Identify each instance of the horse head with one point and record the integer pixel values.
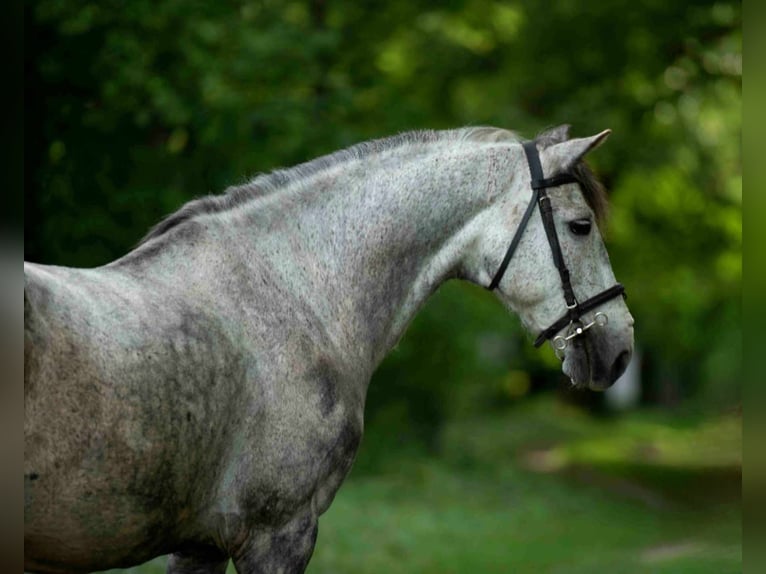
(556, 273)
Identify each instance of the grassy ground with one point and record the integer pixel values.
(545, 489)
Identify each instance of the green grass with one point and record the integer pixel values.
(545, 489)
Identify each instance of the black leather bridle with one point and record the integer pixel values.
(575, 310)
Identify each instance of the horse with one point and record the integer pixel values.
(203, 395)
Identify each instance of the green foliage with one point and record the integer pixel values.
(492, 502)
(134, 108)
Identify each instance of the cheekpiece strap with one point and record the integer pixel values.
(546, 211)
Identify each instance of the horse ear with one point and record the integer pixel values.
(566, 154)
(553, 136)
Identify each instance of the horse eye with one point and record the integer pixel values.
(580, 226)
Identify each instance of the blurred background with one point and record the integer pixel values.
(477, 457)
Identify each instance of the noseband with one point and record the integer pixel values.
(575, 310)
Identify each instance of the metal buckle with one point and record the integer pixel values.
(560, 342)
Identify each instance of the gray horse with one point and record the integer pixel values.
(204, 394)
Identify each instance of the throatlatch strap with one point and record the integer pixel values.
(515, 241)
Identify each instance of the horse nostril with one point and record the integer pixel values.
(619, 366)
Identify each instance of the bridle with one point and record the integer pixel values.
(575, 310)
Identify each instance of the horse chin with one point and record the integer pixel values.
(576, 366)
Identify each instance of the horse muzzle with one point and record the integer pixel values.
(593, 355)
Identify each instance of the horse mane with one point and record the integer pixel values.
(264, 184)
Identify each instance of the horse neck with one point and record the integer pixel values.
(366, 243)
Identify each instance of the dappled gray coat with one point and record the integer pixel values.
(204, 394)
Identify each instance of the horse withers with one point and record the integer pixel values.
(203, 395)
